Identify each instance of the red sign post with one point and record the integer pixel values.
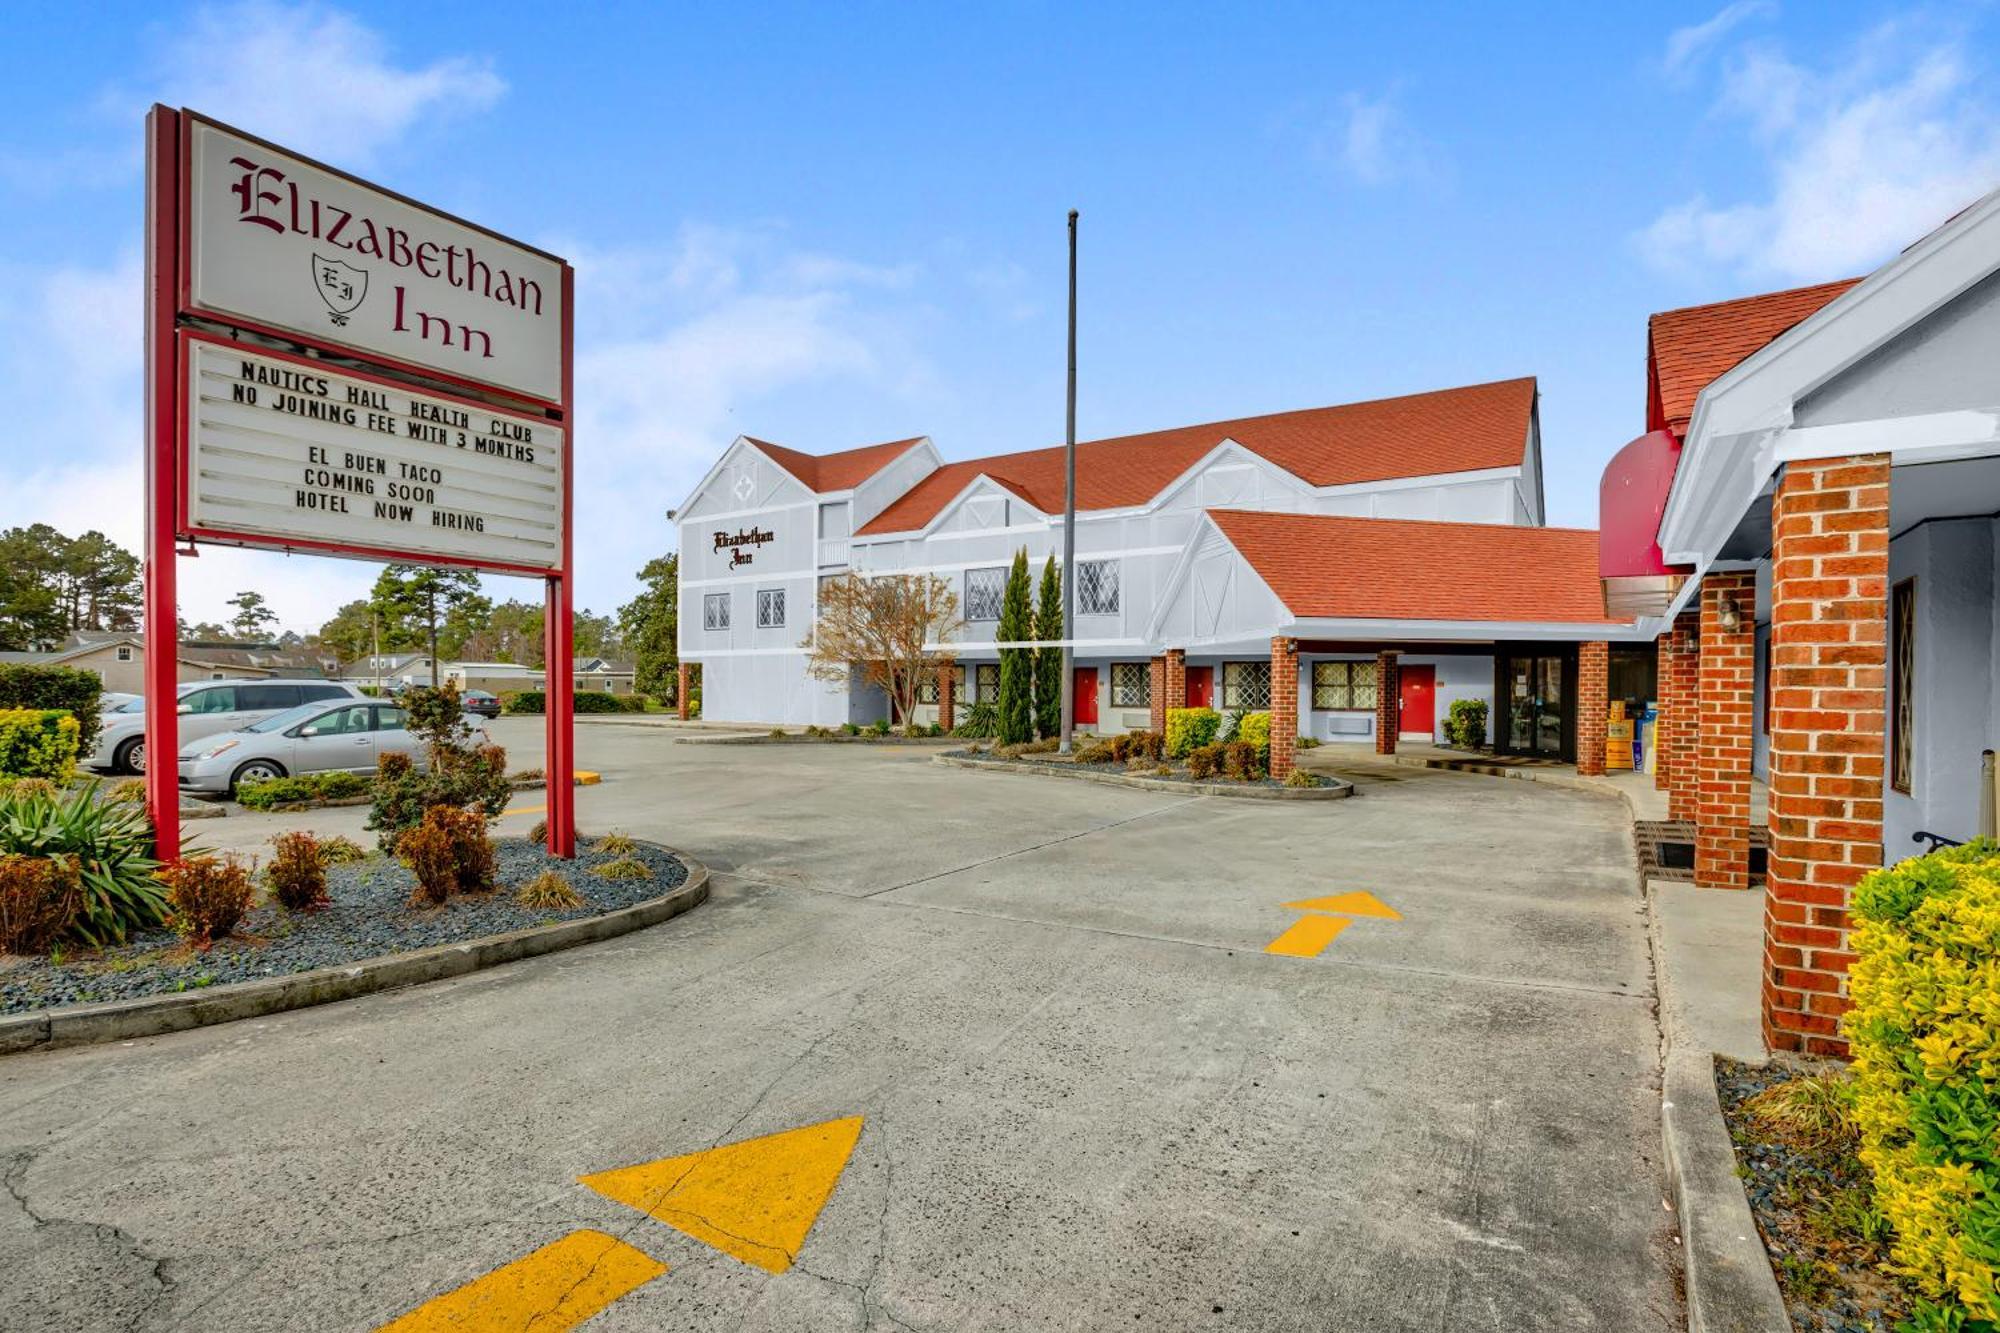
(334, 369)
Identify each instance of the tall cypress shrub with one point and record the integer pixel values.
(1048, 658)
(1017, 665)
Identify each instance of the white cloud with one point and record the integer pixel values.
(1863, 158)
(312, 78)
(1687, 46)
(1372, 142)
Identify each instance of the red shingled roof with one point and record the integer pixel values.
(1419, 435)
(835, 472)
(1691, 348)
(1333, 568)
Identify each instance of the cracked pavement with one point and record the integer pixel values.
(1091, 1100)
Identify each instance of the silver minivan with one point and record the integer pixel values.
(207, 707)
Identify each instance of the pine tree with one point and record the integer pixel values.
(1048, 659)
(1017, 665)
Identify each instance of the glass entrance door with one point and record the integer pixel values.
(1535, 706)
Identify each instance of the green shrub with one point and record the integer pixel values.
(879, 727)
(459, 774)
(1309, 742)
(339, 851)
(112, 845)
(980, 722)
(1254, 730)
(596, 701)
(1203, 760)
(40, 897)
(625, 867)
(299, 789)
(549, 892)
(297, 873)
(526, 701)
(1190, 728)
(38, 743)
(1298, 777)
(74, 691)
(1924, 1032)
(849, 729)
(536, 702)
(1465, 724)
(207, 897)
(1017, 665)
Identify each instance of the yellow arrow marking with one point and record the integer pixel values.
(556, 1287)
(755, 1199)
(1307, 936)
(1357, 903)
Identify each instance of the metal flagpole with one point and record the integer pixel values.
(1069, 513)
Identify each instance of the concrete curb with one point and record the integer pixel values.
(815, 740)
(1730, 1287)
(1331, 789)
(153, 1015)
(1567, 781)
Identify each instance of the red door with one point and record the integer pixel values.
(1200, 686)
(1084, 696)
(1417, 698)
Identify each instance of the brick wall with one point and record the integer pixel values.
(1829, 663)
(681, 674)
(1388, 703)
(1176, 673)
(1684, 734)
(1722, 745)
(1284, 705)
(947, 695)
(1156, 679)
(1593, 701)
(1663, 694)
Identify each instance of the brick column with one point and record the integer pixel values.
(1829, 663)
(681, 674)
(1684, 733)
(1593, 705)
(1722, 745)
(1388, 704)
(1664, 705)
(947, 695)
(1176, 673)
(1156, 694)
(1284, 705)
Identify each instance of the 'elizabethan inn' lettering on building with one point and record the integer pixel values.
(734, 544)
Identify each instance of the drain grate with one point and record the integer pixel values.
(1666, 850)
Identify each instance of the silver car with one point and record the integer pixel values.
(206, 707)
(312, 738)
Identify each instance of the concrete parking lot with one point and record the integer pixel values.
(1088, 1097)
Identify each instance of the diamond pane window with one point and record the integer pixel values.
(984, 589)
(1902, 684)
(1131, 685)
(715, 611)
(1246, 685)
(1339, 686)
(770, 608)
(1097, 587)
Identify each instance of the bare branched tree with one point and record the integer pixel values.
(894, 628)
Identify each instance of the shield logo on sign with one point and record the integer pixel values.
(341, 285)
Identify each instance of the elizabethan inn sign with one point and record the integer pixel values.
(280, 242)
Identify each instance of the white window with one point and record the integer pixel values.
(984, 591)
(125, 653)
(1097, 587)
(715, 611)
(770, 608)
(833, 521)
(1246, 685)
(1131, 685)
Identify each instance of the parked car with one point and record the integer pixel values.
(480, 702)
(206, 707)
(312, 738)
(114, 702)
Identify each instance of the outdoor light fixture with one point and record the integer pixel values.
(1729, 614)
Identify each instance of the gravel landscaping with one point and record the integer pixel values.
(369, 916)
(1148, 770)
(1810, 1198)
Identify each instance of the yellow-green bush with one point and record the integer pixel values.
(1190, 729)
(1255, 729)
(38, 743)
(1925, 1037)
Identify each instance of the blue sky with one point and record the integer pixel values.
(836, 225)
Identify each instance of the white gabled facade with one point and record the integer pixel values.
(755, 540)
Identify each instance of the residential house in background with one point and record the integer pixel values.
(119, 660)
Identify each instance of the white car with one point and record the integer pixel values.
(206, 707)
(312, 738)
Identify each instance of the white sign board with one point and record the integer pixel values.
(276, 240)
(283, 448)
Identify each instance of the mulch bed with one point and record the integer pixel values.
(370, 916)
(1805, 1197)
